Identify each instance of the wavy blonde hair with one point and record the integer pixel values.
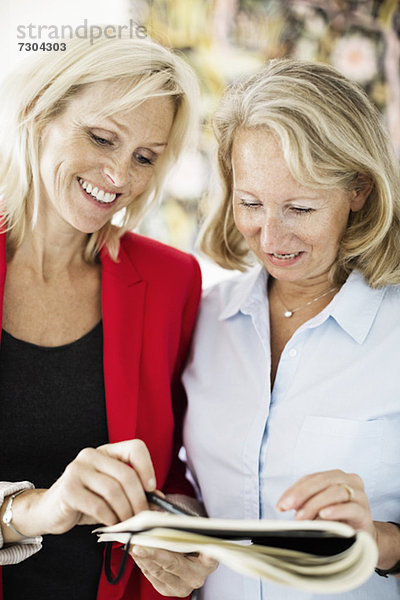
(331, 136)
(36, 92)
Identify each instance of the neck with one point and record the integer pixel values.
(301, 300)
(295, 292)
(49, 250)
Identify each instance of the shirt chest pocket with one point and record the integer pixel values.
(326, 443)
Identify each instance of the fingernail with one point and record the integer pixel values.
(151, 484)
(299, 514)
(325, 512)
(286, 504)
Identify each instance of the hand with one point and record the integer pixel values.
(330, 495)
(172, 573)
(102, 485)
(338, 496)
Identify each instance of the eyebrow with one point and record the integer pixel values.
(290, 199)
(235, 189)
(123, 128)
(157, 144)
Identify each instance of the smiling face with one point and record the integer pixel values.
(294, 230)
(92, 167)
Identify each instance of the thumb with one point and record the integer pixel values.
(208, 562)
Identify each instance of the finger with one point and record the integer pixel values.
(75, 505)
(208, 562)
(96, 510)
(157, 566)
(110, 478)
(185, 566)
(156, 555)
(135, 454)
(175, 571)
(163, 582)
(306, 487)
(111, 492)
(160, 493)
(350, 512)
(154, 505)
(334, 494)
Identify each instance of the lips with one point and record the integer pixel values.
(284, 259)
(285, 256)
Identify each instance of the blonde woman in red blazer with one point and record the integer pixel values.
(96, 321)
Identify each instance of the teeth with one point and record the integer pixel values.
(97, 193)
(286, 256)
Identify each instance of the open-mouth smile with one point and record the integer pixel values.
(97, 193)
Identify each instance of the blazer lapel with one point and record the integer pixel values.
(3, 269)
(123, 296)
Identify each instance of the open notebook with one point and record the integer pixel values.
(318, 556)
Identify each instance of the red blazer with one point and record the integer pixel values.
(149, 305)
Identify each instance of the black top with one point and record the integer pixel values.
(52, 404)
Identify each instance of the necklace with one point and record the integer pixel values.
(288, 313)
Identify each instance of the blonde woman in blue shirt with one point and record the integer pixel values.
(293, 387)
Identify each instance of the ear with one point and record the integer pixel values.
(362, 190)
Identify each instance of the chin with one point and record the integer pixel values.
(85, 227)
(285, 274)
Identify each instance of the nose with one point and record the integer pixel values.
(274, 232)
(117, 171)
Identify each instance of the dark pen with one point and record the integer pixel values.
(166, 505)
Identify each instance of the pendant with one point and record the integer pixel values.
(287, 313)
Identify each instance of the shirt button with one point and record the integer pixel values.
(292, 352)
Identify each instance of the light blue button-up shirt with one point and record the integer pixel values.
(335, 404)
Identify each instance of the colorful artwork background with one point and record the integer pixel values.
(224, 39)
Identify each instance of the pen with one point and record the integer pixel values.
(166, 505)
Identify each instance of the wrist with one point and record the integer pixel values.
(18, 511)
(388, 541)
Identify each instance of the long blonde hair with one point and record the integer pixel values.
(37, 92)
(331, 136)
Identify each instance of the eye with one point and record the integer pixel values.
(143, 160)
(300, 211)
(99, 140)
(249, 204)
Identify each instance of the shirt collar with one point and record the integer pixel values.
(354, 307)
(246, 290)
